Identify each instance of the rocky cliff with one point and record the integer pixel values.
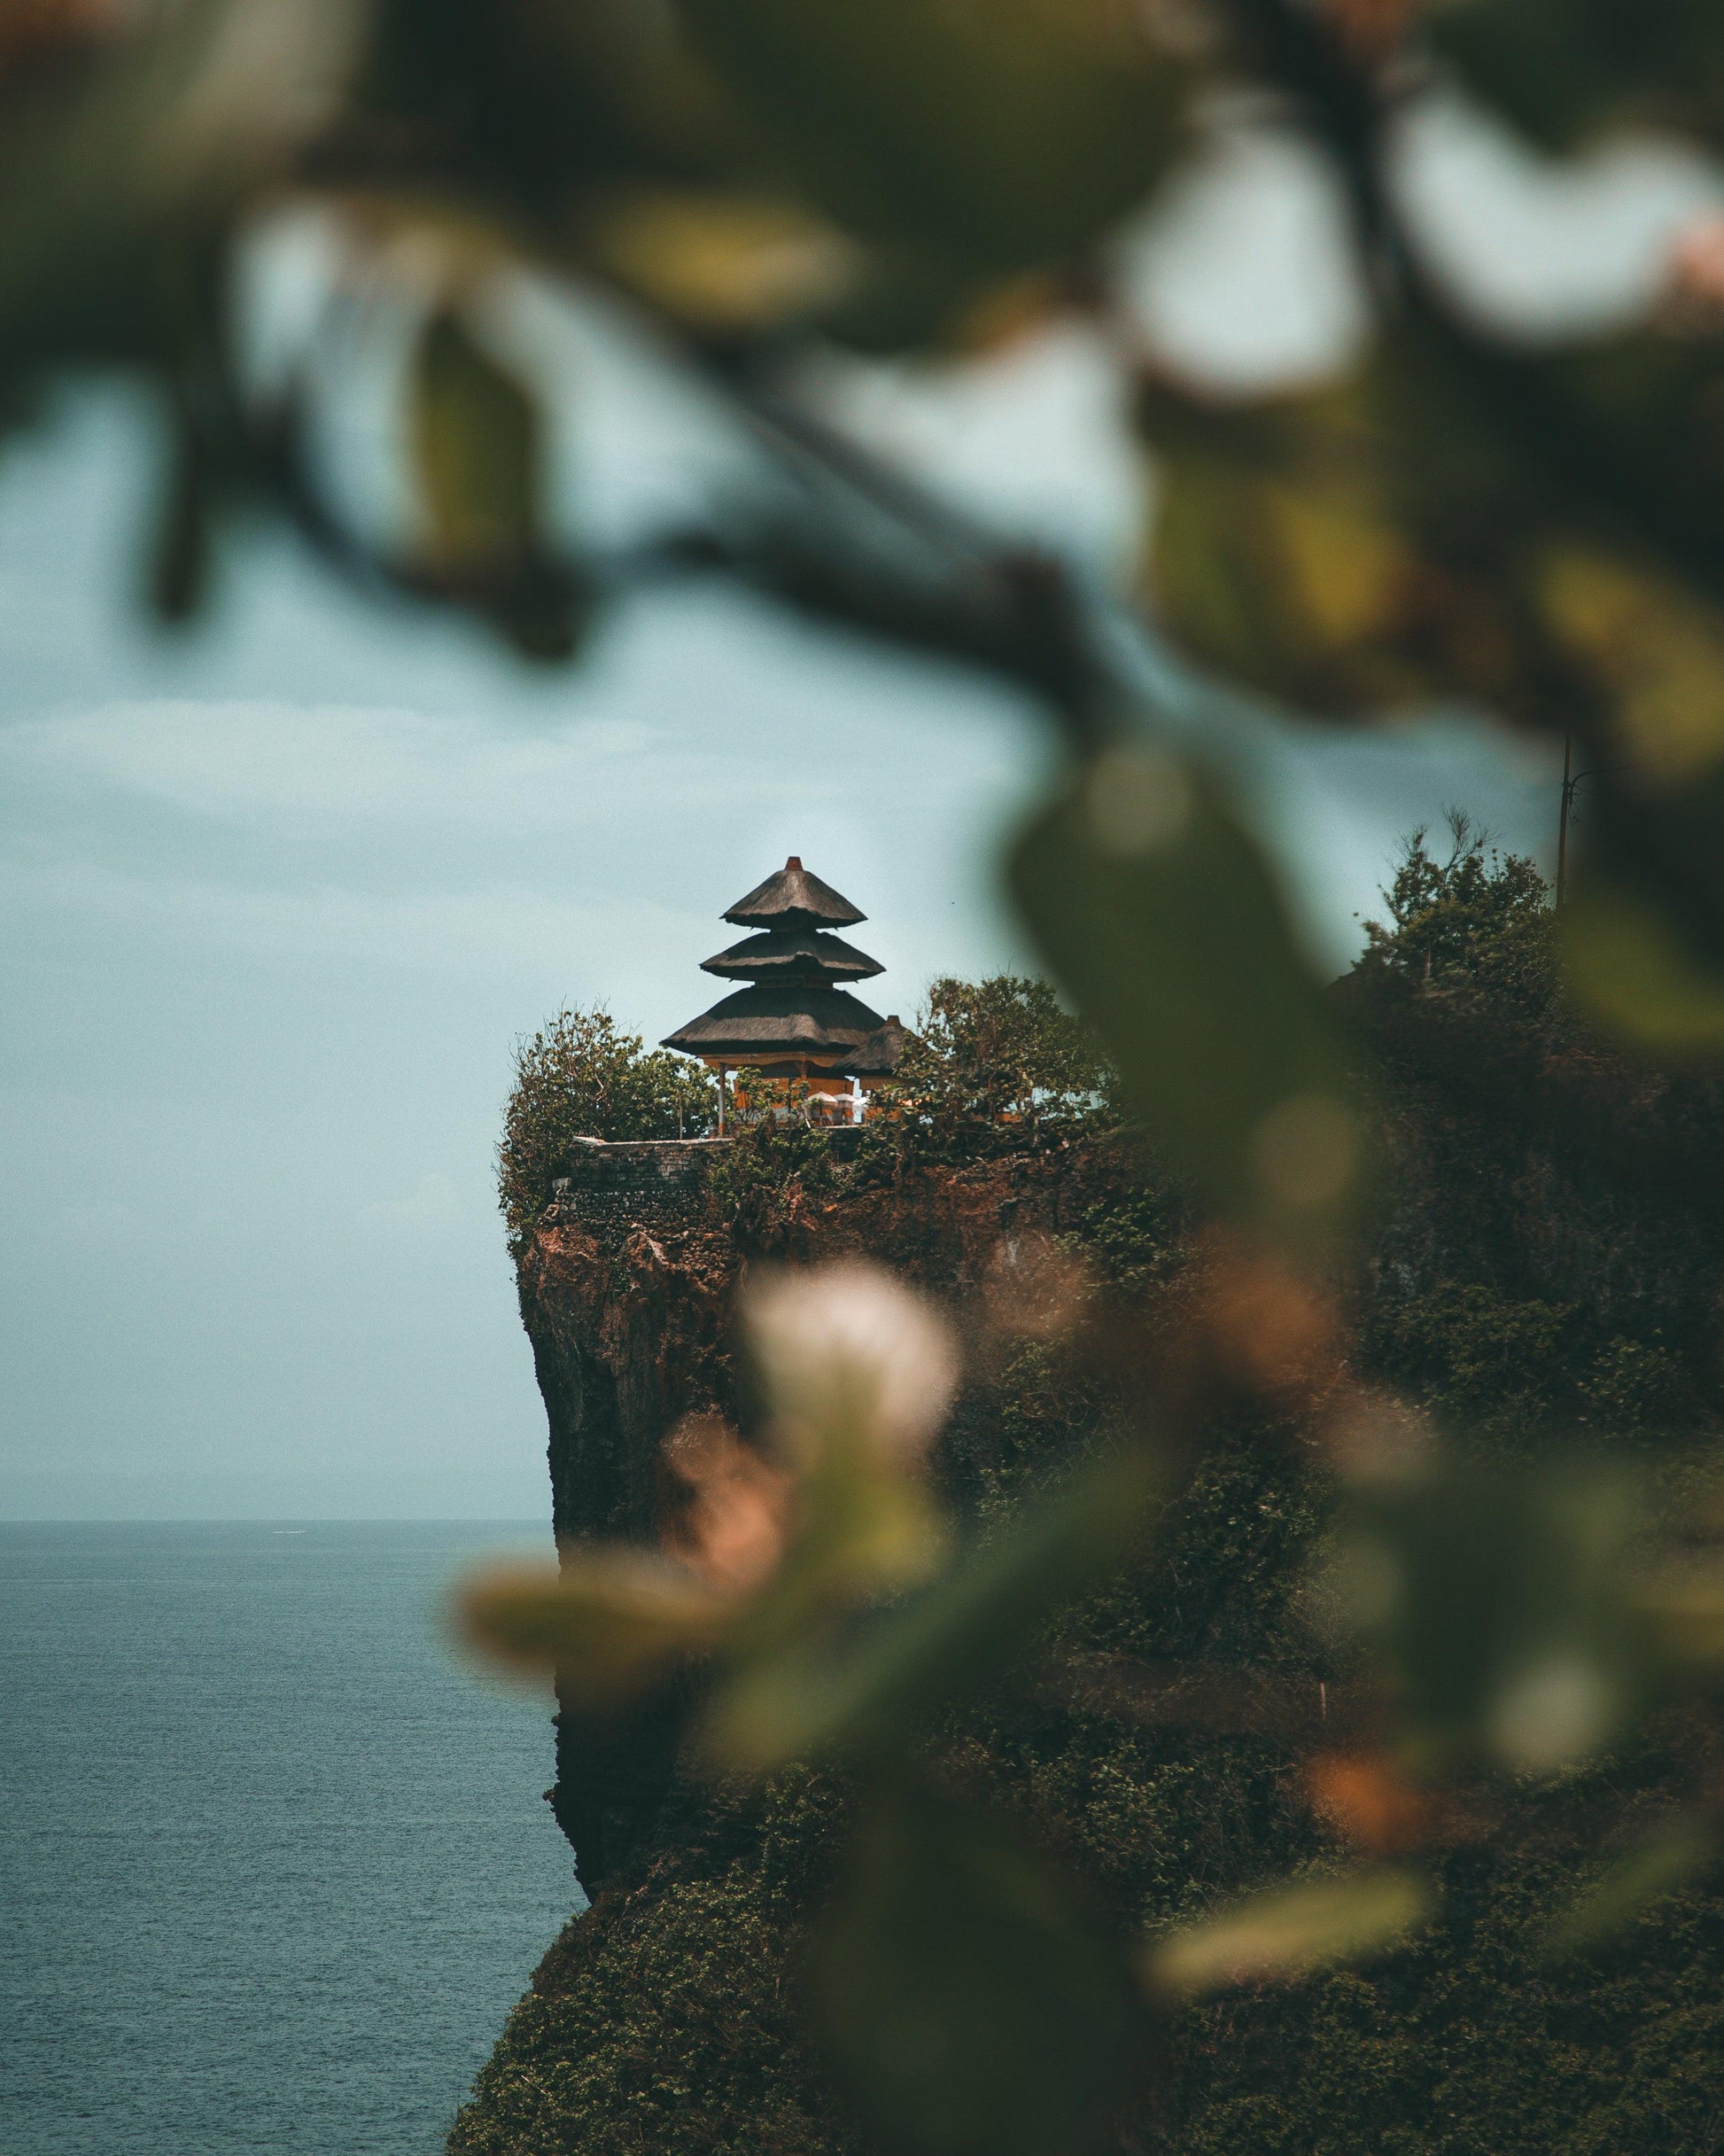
(626, 1288)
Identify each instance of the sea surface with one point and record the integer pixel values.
(273, 1866)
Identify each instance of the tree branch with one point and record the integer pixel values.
(1344, 105)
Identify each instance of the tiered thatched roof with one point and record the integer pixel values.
(795, 1018)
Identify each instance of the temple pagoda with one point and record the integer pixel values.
(796, 1019)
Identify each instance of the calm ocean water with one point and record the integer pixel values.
(273, 1866)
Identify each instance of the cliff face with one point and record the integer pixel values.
(627, 1291)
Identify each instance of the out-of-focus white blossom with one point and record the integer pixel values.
(1555, 1711)
(850, 1356)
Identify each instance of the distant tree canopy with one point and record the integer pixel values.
(580, 1075)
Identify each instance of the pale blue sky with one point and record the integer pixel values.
(279, 894)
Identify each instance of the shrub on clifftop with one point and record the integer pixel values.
(580, 1077)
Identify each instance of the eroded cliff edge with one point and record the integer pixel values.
(628, 1287)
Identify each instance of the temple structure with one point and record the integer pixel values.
(796, 1020)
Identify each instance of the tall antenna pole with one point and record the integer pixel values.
(1562, 820)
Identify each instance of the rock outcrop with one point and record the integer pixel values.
(628, 1287)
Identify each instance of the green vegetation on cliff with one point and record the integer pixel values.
(1540, 1276)
(581, 1077)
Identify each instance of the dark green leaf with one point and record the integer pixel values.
(185, 539)
(994, 133)
(1500, 1602)
(967, 2004)
(821, 1694)
(1159, 918)
(1565, 71)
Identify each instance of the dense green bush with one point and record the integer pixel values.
(581, 1077)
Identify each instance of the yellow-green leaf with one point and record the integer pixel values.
(1158, 916)
(1657, 1864)
(608, 1623)
(1633, 966)
(1656, 654)
(1683, 1610)
(1291, 1932)
(476, 438)
(720, 260)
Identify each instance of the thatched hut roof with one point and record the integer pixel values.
(879, 1054)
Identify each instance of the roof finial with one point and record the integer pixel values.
(795, 862)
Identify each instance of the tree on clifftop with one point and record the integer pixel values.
(1478, 921)
(1000, 1057)
(581, 1077)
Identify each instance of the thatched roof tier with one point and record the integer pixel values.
(879, 1056)
(778, 1019)
(793, 898)
(779, 955)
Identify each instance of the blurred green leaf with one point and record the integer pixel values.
(1274, 557)
(610, 1622)
(826, 1692)
(478, 447)
(1500, 1604)
(1645, 931)
(1291, 1932)
(720, 260)
(865, 1526)
(186, 541)
(1640, 975)
(1683, 1608)
(1159, 918)
(1657, 1864)
(1348, 549)
(1655, 653)
(149, 146)
(994, 136)
(967, 2004)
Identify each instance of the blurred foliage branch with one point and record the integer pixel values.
(1461, 514)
